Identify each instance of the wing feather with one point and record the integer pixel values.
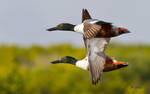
(85, 15)
(95, 47)
(91, 30)
(97, 57)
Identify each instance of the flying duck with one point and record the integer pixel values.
(110, 63)
(96, 35)
(91, 28)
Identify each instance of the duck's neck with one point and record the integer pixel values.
(68, 27)
(69, 60)
(79, 28)
(83, 64)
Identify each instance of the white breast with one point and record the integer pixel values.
(83, 63)
(79, 28)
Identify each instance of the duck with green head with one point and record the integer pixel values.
(92, 28)
(110, 63)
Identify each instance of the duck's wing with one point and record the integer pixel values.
(85, 16)
(96, 56)
(93, 26)
(95, 47)
(91, 30)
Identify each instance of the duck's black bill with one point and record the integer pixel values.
(55, 62)
(52, 29)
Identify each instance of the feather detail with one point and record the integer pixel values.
(85, 15)
(91, 30)
(97, 57)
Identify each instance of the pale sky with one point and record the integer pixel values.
(24, 22)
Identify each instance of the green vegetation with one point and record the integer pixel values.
(26, 70)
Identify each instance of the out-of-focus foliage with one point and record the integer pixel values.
(26, 70)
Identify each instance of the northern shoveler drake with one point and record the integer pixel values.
(91, 28)
(96, 35)
(110, 63)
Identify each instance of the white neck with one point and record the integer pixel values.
(79, 28)
(83, 64)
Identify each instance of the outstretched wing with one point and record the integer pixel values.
(85, 16)
(93, 26)
(91, 30)
(95, 47)
(96, 56)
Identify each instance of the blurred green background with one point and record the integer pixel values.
(26, 70)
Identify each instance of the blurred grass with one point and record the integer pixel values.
(26, 70)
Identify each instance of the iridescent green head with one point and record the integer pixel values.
(66, 59)
(63, 26)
